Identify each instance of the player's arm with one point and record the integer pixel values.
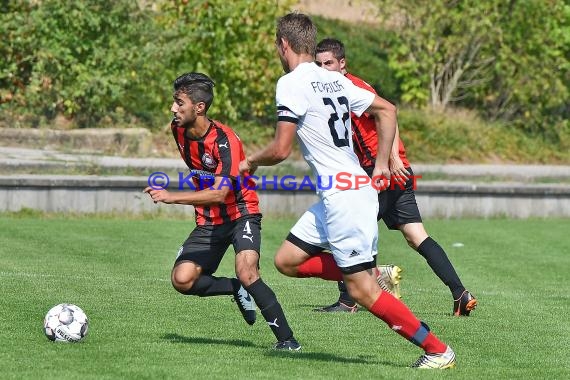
(277, 150)
(385, 118)
(214, 194)
(397, 169)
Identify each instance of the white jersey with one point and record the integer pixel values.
(320, 102)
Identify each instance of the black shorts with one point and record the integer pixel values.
(397, 205)
(206, 245)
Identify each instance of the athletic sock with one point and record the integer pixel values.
(440, 264)
(321, 265)
(401, 319)
(344, 297)
(270, 309)
(209, 286)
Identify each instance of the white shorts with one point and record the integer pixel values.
(345, 223)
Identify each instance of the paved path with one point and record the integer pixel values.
(21, 157)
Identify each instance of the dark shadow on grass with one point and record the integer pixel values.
(309, 356)
(313, 307)
(175, 338)
(426, 316)
(325, 357)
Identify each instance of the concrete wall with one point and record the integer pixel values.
(462, 199)
(92, 194)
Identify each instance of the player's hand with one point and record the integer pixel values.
(381, 178)
(246, 166)
(398, 172)
(158, 195)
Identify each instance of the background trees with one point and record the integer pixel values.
(94, 63)
(506, 59)
(78, 59)
(100, 63)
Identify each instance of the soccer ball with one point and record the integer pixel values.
(65, 323)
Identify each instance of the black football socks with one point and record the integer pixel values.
(270, 309)
(441, 266)
(209, 286)
(344, 297)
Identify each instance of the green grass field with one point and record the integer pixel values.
(117, 270)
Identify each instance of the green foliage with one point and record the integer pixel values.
(233, 42)
(462, 136)
(531, 82)
(437, 53)
(77, 59)
(508, 59)
(99, 62)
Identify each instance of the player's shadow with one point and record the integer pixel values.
(312, 356)
(175, 338)
(325, 357)
(314, 307)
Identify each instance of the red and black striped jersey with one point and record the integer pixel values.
(364, 134)
(217, 154)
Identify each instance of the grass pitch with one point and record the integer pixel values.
(118, 270)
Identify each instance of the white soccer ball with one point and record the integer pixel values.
(66, 323)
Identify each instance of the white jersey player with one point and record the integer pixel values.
(319, 102)
(315, 104)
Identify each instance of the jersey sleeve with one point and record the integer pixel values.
(290, 105)
(361, 83)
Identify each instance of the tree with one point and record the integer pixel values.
(439, 55)
(232, 42)
(99, 63)
(530, 83)
(77, 59)
(498, 56)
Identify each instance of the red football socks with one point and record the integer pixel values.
(401, 319)
(321, 265)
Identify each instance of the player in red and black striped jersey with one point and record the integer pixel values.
(217, 154)
(398, 207)
(227, 211)
(364, 135)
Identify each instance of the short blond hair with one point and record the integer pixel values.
(298, 29)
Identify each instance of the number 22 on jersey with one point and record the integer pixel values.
(339, 124)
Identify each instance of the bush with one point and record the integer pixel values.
(232, 42)
(75, 59)
(102, 63)
(461, 136)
